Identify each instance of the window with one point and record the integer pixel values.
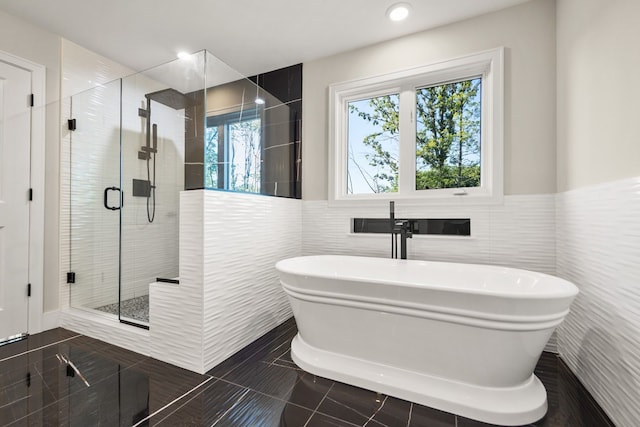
(233, 152)
(433, 132)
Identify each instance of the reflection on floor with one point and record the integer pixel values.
(135, 308)
(62, 378)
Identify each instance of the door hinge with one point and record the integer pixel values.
(28, 379)
(31, 100)
(72, 124)
(29, 289)
(31, 194)
(71, 277)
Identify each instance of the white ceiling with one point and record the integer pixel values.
(252, 36)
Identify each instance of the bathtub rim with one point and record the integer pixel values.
(568, 289)
(486, 404)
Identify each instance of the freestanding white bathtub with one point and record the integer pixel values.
(462, 338)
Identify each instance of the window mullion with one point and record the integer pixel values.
(407, 149)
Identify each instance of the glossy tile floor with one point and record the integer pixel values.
(59, 378)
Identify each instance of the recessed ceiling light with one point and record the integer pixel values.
(259, 101)
(399, 11)
(183, 55)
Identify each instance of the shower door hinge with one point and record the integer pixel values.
(29, 289)
(71, 277)
(72, 124)
(31, 100)
(31, 194)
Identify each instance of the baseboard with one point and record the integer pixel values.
(50, 320)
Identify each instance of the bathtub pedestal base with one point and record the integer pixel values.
(518, 405)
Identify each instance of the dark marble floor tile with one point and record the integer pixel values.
(285, 364)
(321, 420)
(393, 412)
(261, 349)
(424, 416)
(570, 405)
(257, 410)
(352, 404)
(203, 407)
(88, 382)
(165, 382)
(309, 390)
(269, 379)
(19, 399)
(261, 387)
(35, 341)
(287, 356)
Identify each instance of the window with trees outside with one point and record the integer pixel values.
(429, 132)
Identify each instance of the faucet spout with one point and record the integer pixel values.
(403, 228)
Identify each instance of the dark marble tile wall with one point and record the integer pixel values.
(282, 130)
(194, 141)
(282, 153)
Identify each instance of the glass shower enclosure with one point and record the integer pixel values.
(134, 144)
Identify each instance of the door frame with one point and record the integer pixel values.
(37, 178)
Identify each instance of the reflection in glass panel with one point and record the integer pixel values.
(233, 153)
(244, 156)
(373, 143)
(211, 157)
(448, 135)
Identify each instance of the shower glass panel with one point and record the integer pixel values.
(94, 178)
(250, 135)
(155, 122)
(127, 168)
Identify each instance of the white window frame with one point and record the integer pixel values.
(488, 64)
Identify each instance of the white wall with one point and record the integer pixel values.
(598, 212)
(598, 62)
(527, 33)
(26, 41)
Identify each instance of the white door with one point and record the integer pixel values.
(15, 155)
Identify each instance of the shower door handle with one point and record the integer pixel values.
(106, 195)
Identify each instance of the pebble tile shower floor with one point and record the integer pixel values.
(258, 386)
(135, 308)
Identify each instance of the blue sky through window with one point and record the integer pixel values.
(361, 175)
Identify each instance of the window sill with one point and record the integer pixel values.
(440, 201)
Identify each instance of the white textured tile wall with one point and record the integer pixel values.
(176, 311)
(598, 249)
(519, 233)
(245, 235)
